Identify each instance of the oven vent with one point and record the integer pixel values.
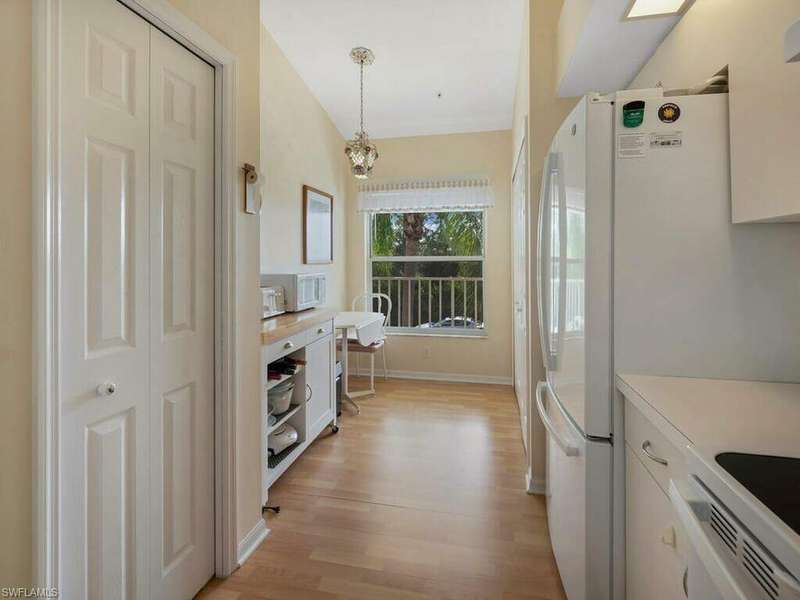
(755, 561)
(723, 527)
(759, 569)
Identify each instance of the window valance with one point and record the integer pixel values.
(466, 193)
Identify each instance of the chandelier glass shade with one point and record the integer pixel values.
(361, 153)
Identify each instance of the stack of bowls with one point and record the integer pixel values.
(280, 397)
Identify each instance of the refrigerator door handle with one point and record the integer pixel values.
(562, 257)
(566, 446)
(542, 276)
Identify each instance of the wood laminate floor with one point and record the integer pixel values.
(422, 496)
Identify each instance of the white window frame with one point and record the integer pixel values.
(439, 331)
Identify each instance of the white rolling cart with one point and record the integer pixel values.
(313, 404)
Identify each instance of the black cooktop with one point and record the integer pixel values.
(774, 480)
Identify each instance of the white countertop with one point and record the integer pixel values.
(743, 416)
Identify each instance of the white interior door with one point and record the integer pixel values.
(520, 285)
(181, 319)
(136, 234)
(103, 294)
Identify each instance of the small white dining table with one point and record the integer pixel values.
(366, 328)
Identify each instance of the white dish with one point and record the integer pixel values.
(281, 439)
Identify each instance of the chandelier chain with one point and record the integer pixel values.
(362, 96)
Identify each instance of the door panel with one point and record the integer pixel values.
(179, 465)
(650, 525)
(567, 374)
(103, 291)
(566, 504)
(109, 234)
(179, 258)
(319, 378)
(182, 319)
(111, 543)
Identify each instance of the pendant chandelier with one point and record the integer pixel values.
(361, 153)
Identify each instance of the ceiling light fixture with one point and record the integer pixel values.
(655, 8)
(361, 153)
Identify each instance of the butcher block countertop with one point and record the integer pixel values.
(282, 326)
(746, 416)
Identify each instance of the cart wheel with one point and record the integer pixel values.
(335, 429)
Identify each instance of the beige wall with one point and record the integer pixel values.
(536, 98)
(570, 25)
(15, 274)
(299, 145)
(716, 33)
(522, 92)
(441, 156)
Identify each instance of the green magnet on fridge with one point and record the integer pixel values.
(633, 113)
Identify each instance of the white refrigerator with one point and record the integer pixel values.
(640, 270)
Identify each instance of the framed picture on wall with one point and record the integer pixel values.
(317, 226)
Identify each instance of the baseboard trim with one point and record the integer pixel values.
(251, 541)
(534, 485)
(433, 376)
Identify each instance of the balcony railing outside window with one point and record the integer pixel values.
(445, 303)
(431, 266)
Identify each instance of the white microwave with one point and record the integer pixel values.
(301, 291)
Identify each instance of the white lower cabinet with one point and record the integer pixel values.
(313, 404)
(654, 562)
(321, 406)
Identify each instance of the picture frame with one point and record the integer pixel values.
(317, 226)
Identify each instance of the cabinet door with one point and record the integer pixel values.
(654, 568)
(319, 378)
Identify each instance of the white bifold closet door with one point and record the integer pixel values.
(136, 310)
(181, 319)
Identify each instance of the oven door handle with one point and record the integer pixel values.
(713, 562)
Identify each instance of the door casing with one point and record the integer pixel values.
(520, 285)
(46, 268)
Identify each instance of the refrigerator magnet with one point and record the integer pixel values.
(633, 113)
(669, 112)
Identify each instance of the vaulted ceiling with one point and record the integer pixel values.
(467, 51)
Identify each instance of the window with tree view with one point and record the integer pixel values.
(431, 266)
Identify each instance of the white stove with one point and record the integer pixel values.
(741, 515)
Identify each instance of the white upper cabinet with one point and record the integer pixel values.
(601, 52)
(765, 125)
(750, 39)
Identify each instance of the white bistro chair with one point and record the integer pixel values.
(367, 302)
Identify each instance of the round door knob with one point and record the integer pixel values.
(106, 389)
(288, 345)
(320, 330)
